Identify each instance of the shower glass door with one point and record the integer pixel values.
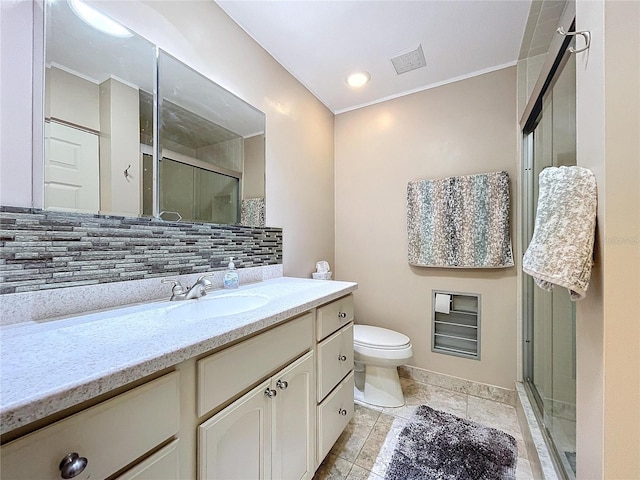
(550, 316)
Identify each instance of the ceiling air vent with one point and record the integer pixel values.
(407, 61)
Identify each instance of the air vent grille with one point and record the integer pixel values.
(408, 61)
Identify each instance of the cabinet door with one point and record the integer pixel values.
(236, 443)
(294, 421)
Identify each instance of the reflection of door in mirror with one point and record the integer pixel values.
(71, 169)
(93, 81)
(109, 111)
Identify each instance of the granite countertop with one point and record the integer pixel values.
(46, 367)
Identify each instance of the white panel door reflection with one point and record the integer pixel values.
(71, 169)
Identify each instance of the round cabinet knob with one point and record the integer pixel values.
(342, 315)
(342, 412)
(282, 385)
(270, 393)
(71, 465)
(342, 358)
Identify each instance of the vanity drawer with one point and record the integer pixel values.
(333, 416)
(334, 315)
(223, 375)
(109, 435)
(335, 360)
(162, 465)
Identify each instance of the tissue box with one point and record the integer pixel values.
(321, 275)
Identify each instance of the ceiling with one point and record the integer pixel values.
(321, 42)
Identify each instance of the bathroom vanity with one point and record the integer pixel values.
(257, 383)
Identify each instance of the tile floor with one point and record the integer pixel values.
(364, 449)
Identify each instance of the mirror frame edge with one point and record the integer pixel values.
(38, 109)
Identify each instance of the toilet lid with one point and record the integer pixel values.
(370, 336)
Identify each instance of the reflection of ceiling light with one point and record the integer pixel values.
(358, 79)
(98, 20)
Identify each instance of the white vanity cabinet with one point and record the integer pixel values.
(268, 433)
(334, 336)
(110, 436)
(267, 405)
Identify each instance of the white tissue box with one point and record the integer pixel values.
(321, 275)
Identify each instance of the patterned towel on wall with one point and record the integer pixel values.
(460, 221)
(252, 212)
(561, 249)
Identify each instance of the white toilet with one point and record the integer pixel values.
(378, 352)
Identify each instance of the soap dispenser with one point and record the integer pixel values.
(231, 276)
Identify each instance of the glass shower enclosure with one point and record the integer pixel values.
(550, 329)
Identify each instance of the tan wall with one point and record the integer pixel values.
(253, 172)
(461, 128)
(608, 333)
(120, 149)
(16, 76)
(73, 99)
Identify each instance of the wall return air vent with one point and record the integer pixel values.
(409, 60)
(456, 324)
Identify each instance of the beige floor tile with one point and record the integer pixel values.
(447, 401)
(365, 448)
(352, 439)
(436, 397)
(523, 471)
(365, 415)
(494, 414)
(371, 449)
(333, 468)
(388, 448)
(377, 451)
(359, 473)
(366, 405)
(497, 415)
(522, 447)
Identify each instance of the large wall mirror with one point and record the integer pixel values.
(202, 161)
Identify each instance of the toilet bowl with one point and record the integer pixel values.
(377, 353)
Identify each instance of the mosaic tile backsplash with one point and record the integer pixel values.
(43, 250)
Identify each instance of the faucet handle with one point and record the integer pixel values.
(204, 280)
(178, 288)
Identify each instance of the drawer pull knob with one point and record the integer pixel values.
(342, 412)
(342, 358)
(270, 393)
(71, 465)
(282, 384)
(342, 315)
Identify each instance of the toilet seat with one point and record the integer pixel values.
(379, 338)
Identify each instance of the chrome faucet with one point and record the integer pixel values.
(181, 292)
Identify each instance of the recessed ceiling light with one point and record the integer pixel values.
(98, 20)
(358, 79)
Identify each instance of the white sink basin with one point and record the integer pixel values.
(216, 306)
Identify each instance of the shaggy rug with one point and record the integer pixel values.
(438, 445)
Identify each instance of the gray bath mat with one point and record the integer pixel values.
(438, 445)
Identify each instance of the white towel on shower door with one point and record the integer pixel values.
(561, 249)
